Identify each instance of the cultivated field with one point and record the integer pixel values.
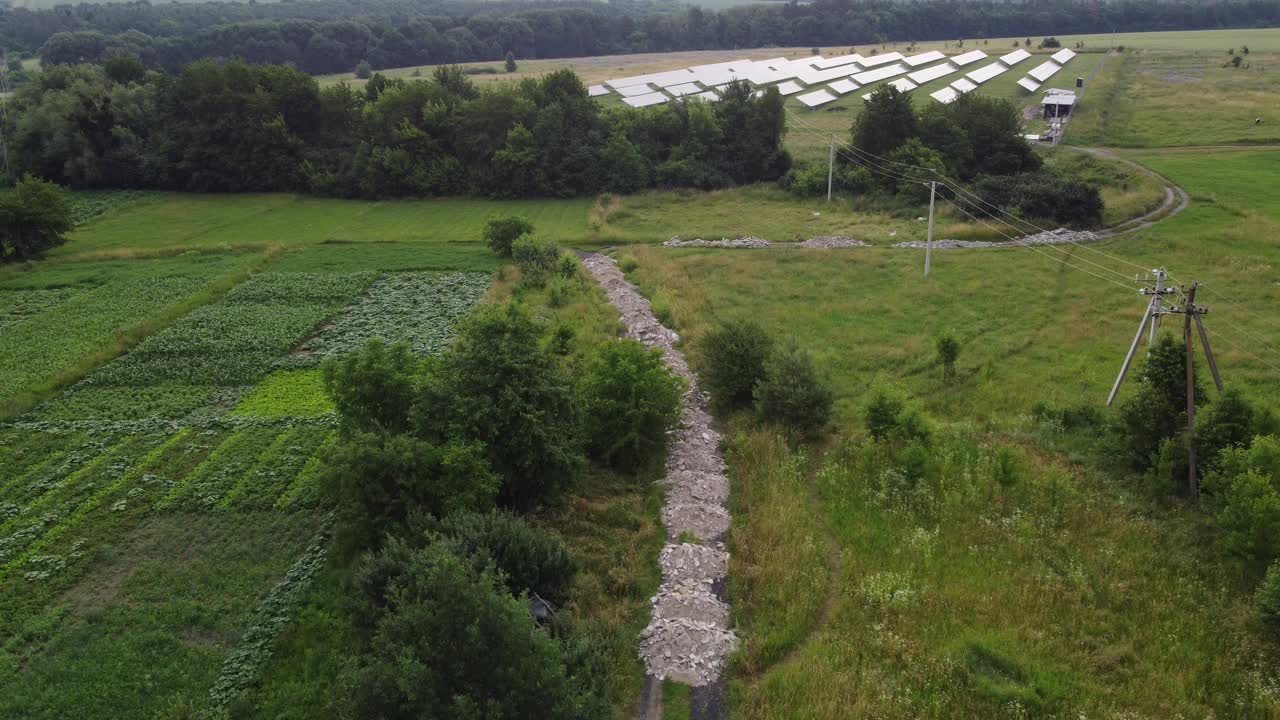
(163, 550)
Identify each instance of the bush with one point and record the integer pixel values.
(558, 292)
(1245, 494)
(733, 359)
(35, 217)
(810, 179)
(630, 401)
(568, 266)
(364, 70)
(889, 416)
(377, 482)
(531, 559)
(793, 392)
(501, 232)
(509, 62)
(948, 352)
(445, 640)
(628, 263)
(497, 384)
(536, 258)
(1044, 195)
(1268, 600)
(1229, 422)
(374, 389)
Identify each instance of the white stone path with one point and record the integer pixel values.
(688, 638)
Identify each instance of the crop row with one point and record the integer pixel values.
(19, 304)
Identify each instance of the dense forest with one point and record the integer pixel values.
(237, 127)
(330, 36)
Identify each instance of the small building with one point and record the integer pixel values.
(1058, 103)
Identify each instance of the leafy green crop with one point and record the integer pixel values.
(287, 393)
(415, 308)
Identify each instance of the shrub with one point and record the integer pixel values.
(364, 70)
(1229, 422)
(497, 384)
(1006, 467)
(35, 217)
(536, 258)
(1268, 600)
(628, 263)
(377, 482)
(810, 179)
(568, 266)
(733, 356)
(630, 401)
(793, 392)
(500, 232)
(561, 341)
(558, 292)
(531, 559)
(509, 62)
(421, 659)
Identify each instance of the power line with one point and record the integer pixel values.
(959, 189)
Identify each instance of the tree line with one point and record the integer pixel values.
(239, 127)
(327, 36)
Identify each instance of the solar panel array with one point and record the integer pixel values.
(841, 74)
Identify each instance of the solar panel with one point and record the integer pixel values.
(844, 86)
(597, 90)
(904, 84)
(932, 73)
(880, 59)
(619, 83)
(838, 60)
(634, 90)
(1014, 57)
(675, 77)
(774, 63)
(654, 98)
(812, 76)
(790, 87)
(986, 72)
(884, 73)
(814, 99)
(682, 90)
(1029, 84)
(761, 74)
(1044, 71)
(964, 86)
(709, 96)
(945, 95)
(1063, 56)
(968, 58)
(923, 58)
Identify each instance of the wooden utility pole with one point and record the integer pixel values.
(928, 243)
(1192, 485)
(831, 167)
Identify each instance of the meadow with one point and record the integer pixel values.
(163, 547)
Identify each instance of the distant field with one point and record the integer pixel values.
(1170, 98)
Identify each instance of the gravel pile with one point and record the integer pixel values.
(835, 241)
(742, 242)
(688, 638)
(1060, 236)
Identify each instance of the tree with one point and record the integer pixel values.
(501, 231)
(124, 69)
(364, 70)
(793, 392)
(631, 401)
(733, 361)
(888, 121)
(531, 559)
(374, 389)
(498, 385)
(378, 482)
(35, 217)
(444, 639)
(1156, 411)
(948, 352)
(510, 62)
